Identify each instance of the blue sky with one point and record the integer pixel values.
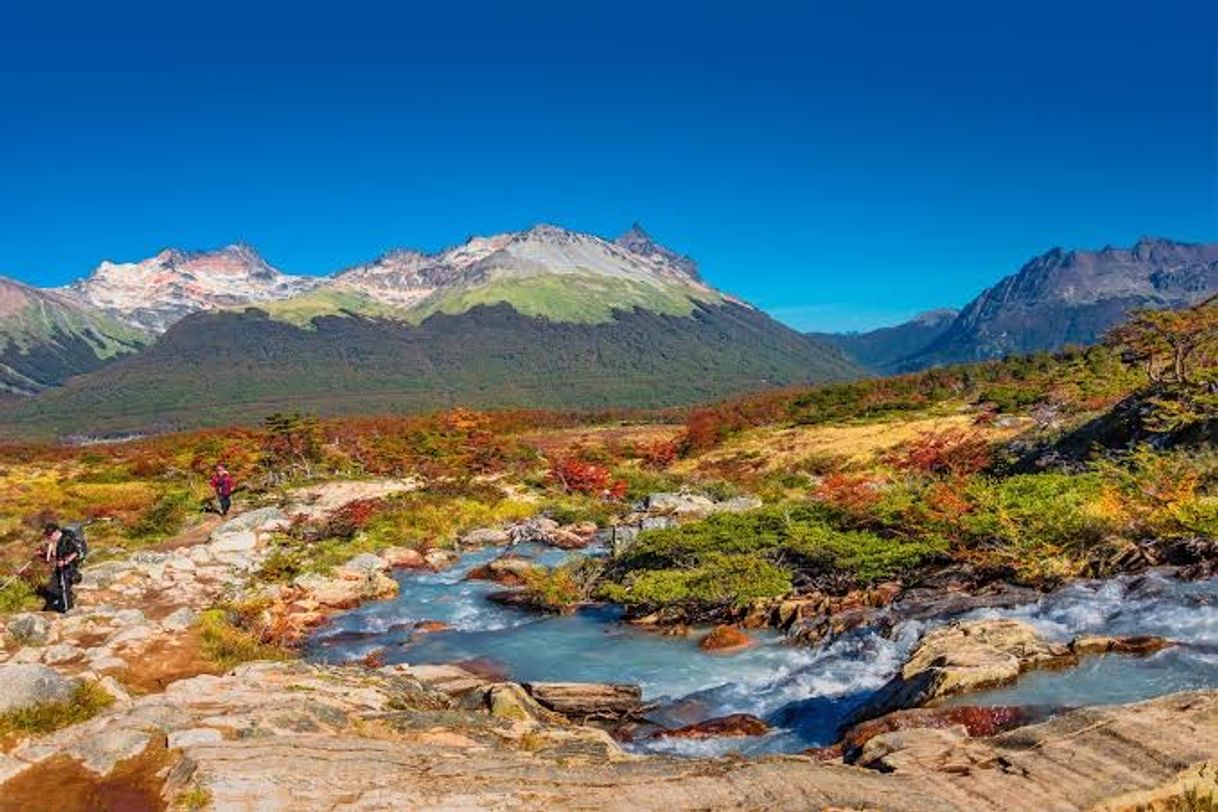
(842, 164)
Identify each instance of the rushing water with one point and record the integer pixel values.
(805, 693)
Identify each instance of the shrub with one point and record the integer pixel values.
(229, 640)
(955, 452)
(578, 476)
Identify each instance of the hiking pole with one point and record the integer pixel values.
(16, 575)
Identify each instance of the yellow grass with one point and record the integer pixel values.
(769, 449)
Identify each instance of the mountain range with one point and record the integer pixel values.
(1058, 298)
(545, 317)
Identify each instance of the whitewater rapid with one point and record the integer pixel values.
(805, 692)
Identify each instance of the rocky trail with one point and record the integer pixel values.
(295, 735)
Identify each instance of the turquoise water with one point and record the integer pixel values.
(805, 692)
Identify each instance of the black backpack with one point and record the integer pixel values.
(76, 534)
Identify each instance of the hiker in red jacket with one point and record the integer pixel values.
(222, 483)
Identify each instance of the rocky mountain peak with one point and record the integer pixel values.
(637, 241)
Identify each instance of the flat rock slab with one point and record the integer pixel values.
(587, 698)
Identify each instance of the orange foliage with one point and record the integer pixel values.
(577, 476)
(853, 493)
(952, 451)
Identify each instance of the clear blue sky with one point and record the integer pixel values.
(842, 164)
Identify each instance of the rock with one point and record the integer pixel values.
(725, 639)
(362, 566)
(737, 724)
(440, 559)
(738, 504)
(902, 749)
(565, 539)
(249, 521)
(657, 523)
(403, 558)
(621, 537)
(60, 654)
(195, 735)
(447, 679)
(976, 721)
(1194, 788)
(29, 684)
(112, 686)
(431, 627)
(965, 657)
(179, 619)
(683, 505)
(583, 699)
(1139, 644)
(240, 541)
(507, 700)
(29, 628)
(346, 593)
(586, 529)
(486, 537)
(99, 753)
(508, 570)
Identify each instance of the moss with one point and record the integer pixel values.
(193, 798)
(87, 700)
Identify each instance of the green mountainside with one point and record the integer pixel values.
(45, 338)
(219, 368)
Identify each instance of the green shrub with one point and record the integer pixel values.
(18, 596)
(227, 643)
(166, 515)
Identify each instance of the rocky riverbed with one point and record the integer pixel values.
(420, 732)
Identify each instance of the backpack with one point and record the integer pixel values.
(77, 533)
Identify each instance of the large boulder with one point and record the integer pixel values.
(683, 505)
(725, 640)
(362, 566)
(966, 657)
(508, 570)
(404, 558)
(29, 684)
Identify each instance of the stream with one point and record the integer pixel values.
(804, 692)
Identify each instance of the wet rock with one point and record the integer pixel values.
(965, 657)
(725, 640)
(1138, 644)
(585, 699)
(735, 725)
(403, 558)
(29, 684)
(486, 537)
(29, 629)
(431, 626)
(506, 571)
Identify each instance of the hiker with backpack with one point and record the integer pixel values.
(65, 552)
(223, 485)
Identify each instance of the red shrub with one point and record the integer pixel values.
(951, 451)
(659, 454)
(577, 476)
(853, 493)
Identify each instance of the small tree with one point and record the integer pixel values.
(293, 444)
(1171, 346)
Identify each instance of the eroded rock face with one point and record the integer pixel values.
(976, 721)
(1138, 644)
